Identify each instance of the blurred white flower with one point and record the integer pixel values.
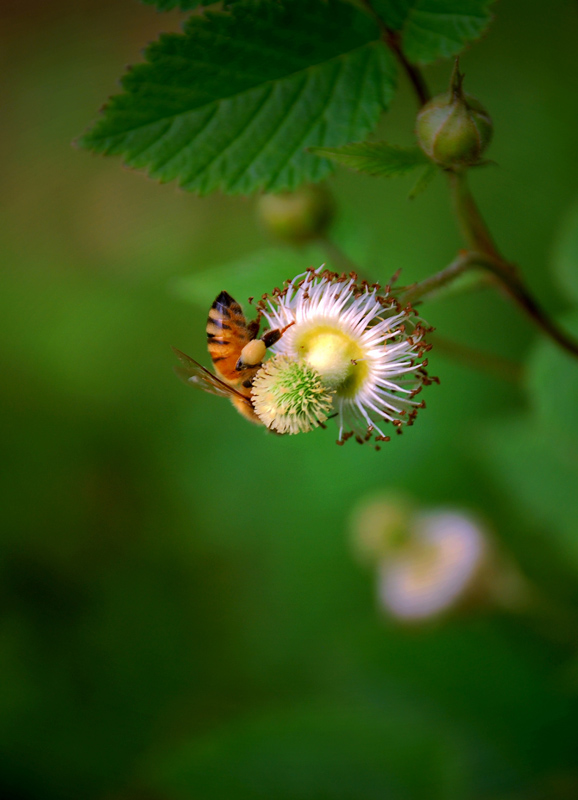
(366, 348)
(447, 554)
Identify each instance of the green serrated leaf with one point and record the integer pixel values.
(566, 254)
(375, 158)
(393, 12)
(234, 102)
(432, 29)
(423, 181)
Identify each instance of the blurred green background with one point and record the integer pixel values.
(182, 614)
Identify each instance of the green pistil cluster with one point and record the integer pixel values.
(289, 397)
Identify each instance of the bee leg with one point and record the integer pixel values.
(253, 328)
(251, 355)
(270, 337)
(254, 351)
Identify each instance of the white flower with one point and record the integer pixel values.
(444, 560)
(367, 349)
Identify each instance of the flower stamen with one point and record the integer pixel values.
(365, 348)
(289, 396)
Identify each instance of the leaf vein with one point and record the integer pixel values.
(359, 93)
(311, 125)
(272, 81)
(283, 119)
(235, 138)
(163, 164)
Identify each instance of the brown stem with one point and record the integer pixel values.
(508, 278)
(478, 237)
(392, 40)
(506, 275)
(430, 285)
(472, 224)
(473, 227)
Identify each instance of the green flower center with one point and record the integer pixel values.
(335, 355)
(289, 396)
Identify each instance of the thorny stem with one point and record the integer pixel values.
(391, 38)
(487, 362)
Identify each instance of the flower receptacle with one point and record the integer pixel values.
(335, 356)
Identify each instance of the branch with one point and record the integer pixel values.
(392, 40)
(478, 237)
(431, 285)
(507, 276)
(473, 226)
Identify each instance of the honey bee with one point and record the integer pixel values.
(236, 352)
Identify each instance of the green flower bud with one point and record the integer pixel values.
(297, 217)
(454, 128)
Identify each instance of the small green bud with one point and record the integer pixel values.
(381, 526)
(297, 217)
(454, 128)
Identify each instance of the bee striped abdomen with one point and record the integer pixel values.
(226, 335)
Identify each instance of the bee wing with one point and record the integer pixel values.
(193, 373)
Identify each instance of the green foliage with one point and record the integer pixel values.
(182, 5)
(566, 254)
(234, 102)
(375, 158)
(170, 5)
(339, 753)
(539, 472)
(424, 180)
(537, 455)
(251, 275)
(145, 626)
(553, 385)
(432, 29)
